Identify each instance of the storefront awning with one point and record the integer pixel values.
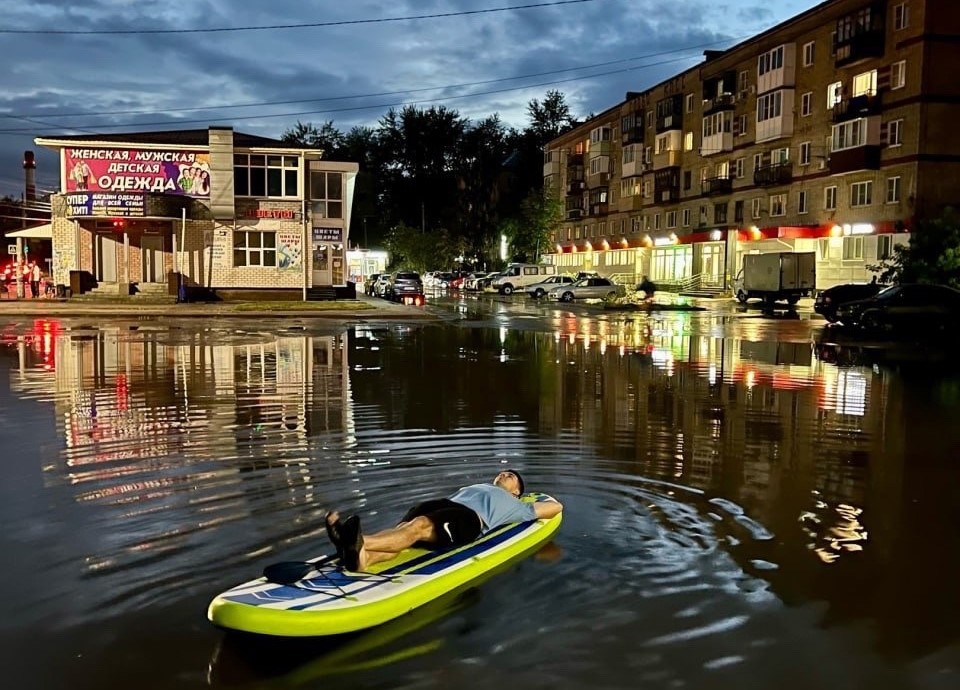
(41, 232)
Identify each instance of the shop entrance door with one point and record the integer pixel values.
(321, 265)
(105, 258)
(151, 262)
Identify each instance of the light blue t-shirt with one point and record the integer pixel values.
(494, 505)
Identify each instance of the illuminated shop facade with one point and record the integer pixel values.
(233, 213)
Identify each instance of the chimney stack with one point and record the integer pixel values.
(30, 176)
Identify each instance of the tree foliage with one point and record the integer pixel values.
(932, 254)
(528, 235)
(458, 182)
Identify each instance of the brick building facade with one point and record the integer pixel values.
(230, 212)
(831, 132)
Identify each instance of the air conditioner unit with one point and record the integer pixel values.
(753, 88)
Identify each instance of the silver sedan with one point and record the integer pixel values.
(587, 288)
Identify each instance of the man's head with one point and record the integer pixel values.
(510, 481)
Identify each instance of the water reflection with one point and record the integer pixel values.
(729, 492)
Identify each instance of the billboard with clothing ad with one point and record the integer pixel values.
(184, 173)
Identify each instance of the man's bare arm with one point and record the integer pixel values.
(547, 509)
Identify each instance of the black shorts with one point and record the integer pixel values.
(455, 524)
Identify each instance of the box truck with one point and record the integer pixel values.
(776, 276)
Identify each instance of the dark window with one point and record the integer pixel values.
(738, 212)
(687, 179)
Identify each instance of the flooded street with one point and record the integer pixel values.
(740, 510)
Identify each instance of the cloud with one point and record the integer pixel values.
(159, 75)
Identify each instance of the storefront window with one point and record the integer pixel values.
(254, 248)
(672, 264)
(326, 194)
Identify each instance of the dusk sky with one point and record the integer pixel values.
(56, 83)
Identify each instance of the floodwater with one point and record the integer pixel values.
(739, 512)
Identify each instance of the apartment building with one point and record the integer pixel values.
(830, 133)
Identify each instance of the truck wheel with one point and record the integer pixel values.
(507, 289)
(793, 299)
(742, 297)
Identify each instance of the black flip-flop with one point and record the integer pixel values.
(334, 534)
(351, 537)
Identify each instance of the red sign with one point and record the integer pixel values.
(281, 214)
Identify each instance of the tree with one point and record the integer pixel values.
(419, 251)
(541, 214)
(931, 256)
(549, 119)
(327, 138)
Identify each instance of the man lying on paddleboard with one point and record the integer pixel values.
(453, 521)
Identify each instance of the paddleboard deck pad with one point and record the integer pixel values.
(332, 601)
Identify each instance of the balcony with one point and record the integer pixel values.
(576, 187)
(633, 135)
(857, 107)
(574, 213)
(851, 160)
(669, 122)
(724, 101)
(860, 47)
(574, 160)
(773, 175)
(552, 167)
(666, 159)
(598, 180)
(718, 185)
(716, 143)
(632, 169)
(599, 209)
(600, 148)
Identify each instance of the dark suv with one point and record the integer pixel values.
(828, 300)
(406, 287)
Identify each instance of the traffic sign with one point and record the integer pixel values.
(12, 249)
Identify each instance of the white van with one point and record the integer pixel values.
(518, 276)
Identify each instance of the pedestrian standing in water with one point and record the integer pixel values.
(35, 275)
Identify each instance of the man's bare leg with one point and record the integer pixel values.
(384, 545)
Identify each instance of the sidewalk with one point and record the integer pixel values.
(366, 308)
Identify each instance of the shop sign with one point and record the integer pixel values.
(289, 250)
(183, 173)
(327, 235)
(275, 213)
(106, 204)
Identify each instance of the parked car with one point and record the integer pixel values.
(538, 290)
(588, 288)
(480, 282)
(382, 285)
(830, 299)
(369, 283)
(907, 309)
(461, 283)
(406, 287)
(518, 276)
(442, 279)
